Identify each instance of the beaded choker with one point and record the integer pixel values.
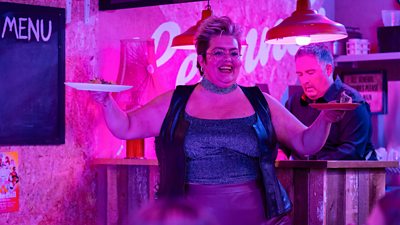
(215, 89)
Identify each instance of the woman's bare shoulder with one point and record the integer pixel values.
(273, 102)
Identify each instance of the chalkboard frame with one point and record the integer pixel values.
(57, 136)
(122, 4)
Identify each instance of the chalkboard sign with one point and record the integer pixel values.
(372, 85)
(32, 73)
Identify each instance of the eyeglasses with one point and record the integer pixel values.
(219, 54)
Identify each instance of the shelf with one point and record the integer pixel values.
(369, 57)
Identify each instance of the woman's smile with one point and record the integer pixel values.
(222, 64)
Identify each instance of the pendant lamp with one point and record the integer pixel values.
(305, 26)
(186, 39)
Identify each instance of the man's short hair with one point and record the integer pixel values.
(319, 50)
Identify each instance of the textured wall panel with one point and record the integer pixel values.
(57, 182)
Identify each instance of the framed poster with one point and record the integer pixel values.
(121, 4)
(372, 85)
(32, 62)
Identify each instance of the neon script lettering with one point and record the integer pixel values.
(256, 52)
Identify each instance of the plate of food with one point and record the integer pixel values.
(334, 106)
(98, 85)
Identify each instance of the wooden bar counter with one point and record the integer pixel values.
(333, 192)
(322, 192)
(123, 185)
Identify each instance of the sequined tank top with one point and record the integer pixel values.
(221, 151)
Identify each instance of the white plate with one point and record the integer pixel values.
(98, 87)
(334, 106)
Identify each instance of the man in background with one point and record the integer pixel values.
(349, 138)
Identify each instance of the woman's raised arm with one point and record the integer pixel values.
(140, 123)
(294, 134)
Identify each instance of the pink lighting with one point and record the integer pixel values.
(262, 63)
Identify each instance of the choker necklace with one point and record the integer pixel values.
(215, 89)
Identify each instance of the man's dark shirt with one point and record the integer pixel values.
(349, 138)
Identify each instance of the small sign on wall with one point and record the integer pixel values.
(9, 182)
(372, 85)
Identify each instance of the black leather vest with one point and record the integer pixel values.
(171, 156)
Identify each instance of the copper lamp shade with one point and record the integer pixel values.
(186, 39)
(305, 23)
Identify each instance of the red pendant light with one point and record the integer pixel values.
(186, 39)
(305, 26)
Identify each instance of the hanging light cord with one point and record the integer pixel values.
(208, 6)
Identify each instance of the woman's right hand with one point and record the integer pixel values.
(102, 98)
(333, 116)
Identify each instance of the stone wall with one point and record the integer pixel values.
(57, 182)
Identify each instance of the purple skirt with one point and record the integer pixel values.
(230, 204)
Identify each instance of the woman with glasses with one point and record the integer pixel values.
(217, 140)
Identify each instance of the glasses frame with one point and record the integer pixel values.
(226, 54)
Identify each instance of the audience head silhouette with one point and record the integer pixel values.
(172, 212)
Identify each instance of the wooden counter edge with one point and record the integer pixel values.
(335, 164)
(126, 162)
(278, 164)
